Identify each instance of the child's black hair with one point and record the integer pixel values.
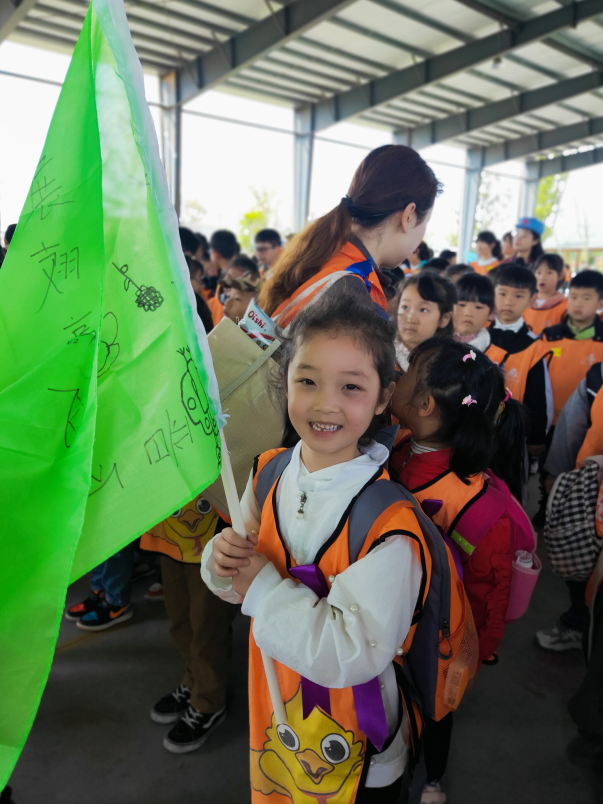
(346, 309)
(224, 243)
(245, 263)
(588, 279)
(476, 288)
(435, 264)
(481, 434)
(555, 263)
(447, 254)
(517, 276)
(454, 272)
(435, 288)
(491, 240)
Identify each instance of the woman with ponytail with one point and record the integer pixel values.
(462, 423)
(379, 222)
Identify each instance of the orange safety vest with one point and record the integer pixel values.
(216, 308)
(593, 441)
(539, 319)
(320, 757)
(484, 269)
(568, 361)
(331, 271)
(516, 367)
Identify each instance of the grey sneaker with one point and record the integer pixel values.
(559, 638)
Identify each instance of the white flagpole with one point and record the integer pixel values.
(234, 508)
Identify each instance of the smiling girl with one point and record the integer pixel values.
(549, 306)
(425, 309)
(337, 633)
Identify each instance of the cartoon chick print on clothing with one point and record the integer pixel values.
(308, 761)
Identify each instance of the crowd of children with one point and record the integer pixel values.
(412, 445)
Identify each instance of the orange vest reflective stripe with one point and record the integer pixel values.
(516, 367)
(334, 269)
(319, 758)
(593, 441)
(568, 363)
(538, 320)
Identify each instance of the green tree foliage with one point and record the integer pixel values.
(260, 216)
(550, 192)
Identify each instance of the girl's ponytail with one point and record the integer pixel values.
(508, 460)
(479, 421)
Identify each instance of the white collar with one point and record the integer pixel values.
(481, 340)
(514, 327)
(373, 454)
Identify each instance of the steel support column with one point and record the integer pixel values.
(303, 153)
(529, 190)
(473, 175)
(171, 135)
(11, 14)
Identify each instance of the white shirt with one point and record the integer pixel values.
(514, 327)
(332, 644)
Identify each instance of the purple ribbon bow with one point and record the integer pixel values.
(367, 697)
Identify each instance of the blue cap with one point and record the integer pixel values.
(533, 224)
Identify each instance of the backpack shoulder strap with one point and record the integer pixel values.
(477, 518)
(594, 381)
(267, 471)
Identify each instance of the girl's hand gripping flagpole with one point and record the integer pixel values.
(234, 508)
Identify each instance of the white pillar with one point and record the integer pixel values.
(529, 190)
(303, 153)
(171, 135)
(473, 173)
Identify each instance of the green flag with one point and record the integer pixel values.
(109, 407)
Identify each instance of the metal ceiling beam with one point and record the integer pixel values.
(543, 141)
(565, 164)
(456, 125)
(231, 56)
(400, 82)
(12, 12)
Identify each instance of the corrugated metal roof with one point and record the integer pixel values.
(359, 45)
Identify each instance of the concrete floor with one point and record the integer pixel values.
(93, 741)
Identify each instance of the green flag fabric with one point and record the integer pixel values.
(109, 406)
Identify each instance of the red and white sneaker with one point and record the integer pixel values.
(154, 592)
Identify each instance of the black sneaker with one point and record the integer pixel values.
(91, 603)
(192, 730)
(171, 706)
(105, 616)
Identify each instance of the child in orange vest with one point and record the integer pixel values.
(549, 306)
(512, 347)
(473, 310)
(454, 402)
(489, 254)
(338, 372)
(576, 343)
(424, 310)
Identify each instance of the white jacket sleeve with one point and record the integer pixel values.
(222, 587)
(350, 636)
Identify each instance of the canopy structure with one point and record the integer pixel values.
(503, 80)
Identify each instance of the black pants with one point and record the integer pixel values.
(396, 793)
(586, 707)
(577, 614)
(436, 746)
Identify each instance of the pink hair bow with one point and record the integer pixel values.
(469, 356)
(469, 400)
(507, 395)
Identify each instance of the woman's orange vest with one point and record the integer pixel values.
(484, 269)
(538, 319)
(334, 269)
(516, 367)
(320, 757)
(568, 361)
